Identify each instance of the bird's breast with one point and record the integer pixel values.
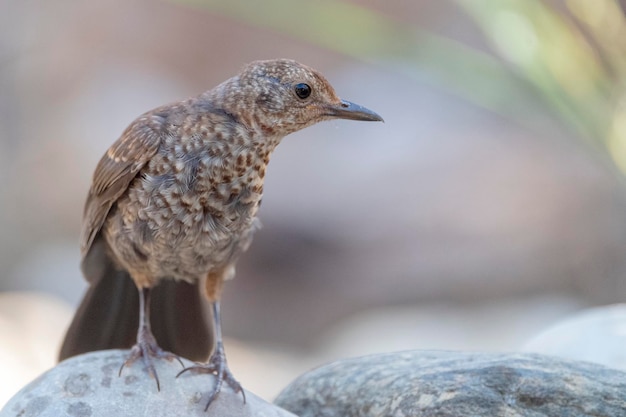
(207, 193)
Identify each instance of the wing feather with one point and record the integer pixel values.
(116, 170)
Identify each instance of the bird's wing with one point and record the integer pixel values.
(115, 171)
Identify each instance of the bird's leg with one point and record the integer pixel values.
(217, 362)
(146, 347)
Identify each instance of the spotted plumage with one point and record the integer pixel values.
(176, 198)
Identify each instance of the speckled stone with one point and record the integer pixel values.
(89, 386)
(457, 384)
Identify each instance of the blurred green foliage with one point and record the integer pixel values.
(566, 58)
(574, 53)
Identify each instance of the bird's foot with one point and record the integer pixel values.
(147, 348)
(218, 367)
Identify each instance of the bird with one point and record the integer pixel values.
(173, 204)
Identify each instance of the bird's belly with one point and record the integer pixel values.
(191, 257)
(181, 238)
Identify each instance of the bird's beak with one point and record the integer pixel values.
(353, 111)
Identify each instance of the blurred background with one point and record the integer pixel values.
(490, 204)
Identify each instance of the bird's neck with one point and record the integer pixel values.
(235, 98)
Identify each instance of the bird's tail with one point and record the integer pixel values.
(108, 315)
(107, 318)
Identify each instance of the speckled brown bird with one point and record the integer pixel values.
(172, 206)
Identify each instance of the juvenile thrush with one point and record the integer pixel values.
(173, 205)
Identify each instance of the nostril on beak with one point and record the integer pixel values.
(347, 110)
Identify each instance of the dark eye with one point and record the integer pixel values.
(302, 90)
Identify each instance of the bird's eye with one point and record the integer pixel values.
(303, 90)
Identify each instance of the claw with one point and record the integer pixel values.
(218, 367)
(147, 348)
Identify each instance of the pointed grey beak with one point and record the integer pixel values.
(353, 111)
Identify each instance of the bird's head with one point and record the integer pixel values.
(283, 96)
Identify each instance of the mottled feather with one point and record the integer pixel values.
(116, 170)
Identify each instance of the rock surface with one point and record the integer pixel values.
(596, 335)
(88, 386)
(453, 384)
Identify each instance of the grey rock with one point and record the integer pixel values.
(447, 384)
(89, 386)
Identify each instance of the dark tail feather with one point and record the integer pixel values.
(179, 320)
(108, 316)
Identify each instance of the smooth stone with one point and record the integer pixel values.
(596, 335)
(89, 386)
(454, 384)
